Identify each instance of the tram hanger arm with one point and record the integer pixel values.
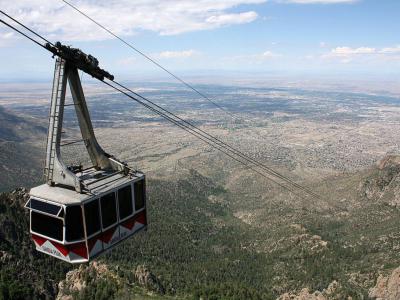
(85, 62)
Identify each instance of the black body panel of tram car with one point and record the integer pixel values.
(78, 231)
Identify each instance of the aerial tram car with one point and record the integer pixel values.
(80, 213)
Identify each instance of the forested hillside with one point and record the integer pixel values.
(20, 145)
(196, 248)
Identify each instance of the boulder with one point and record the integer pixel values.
(387, 287)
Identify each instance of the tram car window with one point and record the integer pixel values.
(92, 217)
(108, 210)
(125, 205)
(45, 207)
(74, 224)
(139, 194)
(47, 226)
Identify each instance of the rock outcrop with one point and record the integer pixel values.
(19, 196)
(304, 294)
(98, 278)
(332, 292)
(383, 184)
(148, 280)
(387, 287)
(77, 280)
(313, 243)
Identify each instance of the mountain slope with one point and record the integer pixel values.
(24, 273)
(21, 150)
(383, 182)
(196, 246)
(19, 129)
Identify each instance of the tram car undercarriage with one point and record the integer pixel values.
(80, 213)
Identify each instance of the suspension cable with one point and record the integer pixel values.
(151, 60)
(224, 145)
(187, 126)
(183, 82)
(22, 33)
(173, 75)
(199, 136)
(27, 28)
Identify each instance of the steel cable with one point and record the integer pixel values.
(187, 126)
(150, 59)
(226, 146)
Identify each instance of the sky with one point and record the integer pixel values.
(355, 38)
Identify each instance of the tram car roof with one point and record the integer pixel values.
(99, 182)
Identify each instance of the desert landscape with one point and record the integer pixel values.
(216, 228)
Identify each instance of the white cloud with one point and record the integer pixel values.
(347, 51)
(268, 54)
(391, 50)
(164, 55)
(240, 18)
(176, 54)
(125, 17)
(258, 58)
(319, 1)
(348, 54)
(6, 38)
(7, 35)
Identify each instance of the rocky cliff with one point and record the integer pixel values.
(387, 287)
(332, 292)
(383, 183)
(101, 281)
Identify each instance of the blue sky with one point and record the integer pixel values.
(339, 37)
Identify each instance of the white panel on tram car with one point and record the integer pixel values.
(95, 246)
(110, 237)
(130, 226)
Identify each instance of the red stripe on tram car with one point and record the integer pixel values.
(91, 243)
(129, 223)
(79, 249)
(107, 235)
(38, 240)
(63, 250)
(141, 217)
